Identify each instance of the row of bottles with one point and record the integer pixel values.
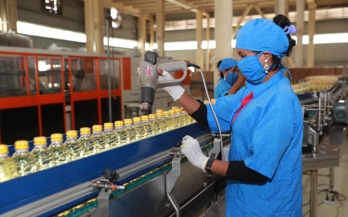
(120, 133)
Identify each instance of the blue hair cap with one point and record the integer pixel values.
(263, 35)
(227, 63)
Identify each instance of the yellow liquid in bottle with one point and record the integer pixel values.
(111, 138)
(100, 141)
(60, 153)
(139, 128)
(43, 157)
(23, 159)
(121, 133)
(75, 148)
(169, 120)
(130, 129)
(86, 141)
(147, 126)
(162, 122)
(155, 125)
(7, 166)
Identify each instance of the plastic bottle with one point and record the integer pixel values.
(148, 127)
(162, 122)
(42, 155)
(166, 119)
(171, 122)
(75, 148)
(7, 166)
(112, 139)
(175, 107)
(139, 128)
(60, 152)
(121, 133)
(131, 132)
(178, 118)
(99, 139)
(23, 159)
(155, 125)
(86, 141)
(184, 117)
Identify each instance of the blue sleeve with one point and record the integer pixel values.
(224, 108)
(221, 89)
(271, 138)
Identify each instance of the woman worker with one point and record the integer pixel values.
(264, 168)
(229, 75)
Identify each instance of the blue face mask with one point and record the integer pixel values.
(230, 78)
(252, 69)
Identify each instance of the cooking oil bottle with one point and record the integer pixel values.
(121, 133)
(139, 128)
(111, 138)
(23, 159)
(7, 166)
(43, 156)
(162, 122)
(75, 148)
(175, 107)
(166, 119)
(99, 139)
(178, 118)
(171, 122)
(184, 117)
(60, 152)
(86, 141)
(148, 127)
(131, 132)
(155, 125)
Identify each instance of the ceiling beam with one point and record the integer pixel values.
(186, 5)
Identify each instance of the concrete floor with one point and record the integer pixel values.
(340, 186)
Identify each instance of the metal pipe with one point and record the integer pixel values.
(197, 195)
(109, 69)
(313, 193)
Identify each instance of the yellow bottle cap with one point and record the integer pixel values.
(177, 110)
(174, 107)
(128, 121)
(108, 125)
(97, 128)
(213, 101)
(166, 113)
(71, 133)
(21, 145)
(159, 111)
(160, 115)
(118, 123)
(3, 149)
(145, 118)
(40, 140)
(56, 137)
(153, 116)
(206, 101)
(137, 119)
(85, 131)
(171, 112)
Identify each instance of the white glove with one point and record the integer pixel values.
(192, 150)
(174, 91)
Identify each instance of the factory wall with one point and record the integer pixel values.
(325, 54)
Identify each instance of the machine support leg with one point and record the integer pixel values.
(171, 179)
(103, 204)
(332, 177)
(313, 193)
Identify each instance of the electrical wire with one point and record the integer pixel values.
(214, 114)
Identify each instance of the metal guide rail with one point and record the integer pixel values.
(52, 191)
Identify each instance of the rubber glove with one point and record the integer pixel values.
(174, 91)
(192, 150)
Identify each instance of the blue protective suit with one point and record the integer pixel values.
(224, 86)
(267, 136)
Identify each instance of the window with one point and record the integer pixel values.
(53, 6)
